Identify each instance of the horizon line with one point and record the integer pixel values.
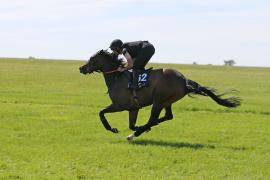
(150, 62)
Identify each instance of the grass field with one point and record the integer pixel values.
(50, 129)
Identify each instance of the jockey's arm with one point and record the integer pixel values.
(129, 60)
(126, 62)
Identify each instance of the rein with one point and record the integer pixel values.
(110, 72)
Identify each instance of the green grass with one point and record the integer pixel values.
(50, 129)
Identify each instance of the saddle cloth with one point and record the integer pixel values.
(143, 78)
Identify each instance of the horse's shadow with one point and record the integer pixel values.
(147, 142)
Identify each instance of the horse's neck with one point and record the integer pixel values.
(109, 79)
(107, 67)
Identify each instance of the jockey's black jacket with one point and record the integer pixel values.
(133, 48)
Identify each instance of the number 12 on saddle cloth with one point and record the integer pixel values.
(143, 78)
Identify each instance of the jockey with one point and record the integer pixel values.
(132, 55)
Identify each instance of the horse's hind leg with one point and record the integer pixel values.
(153, 121)
(133, 114)
(168, 115)
(155, 112)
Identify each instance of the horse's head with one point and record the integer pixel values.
(100, 61)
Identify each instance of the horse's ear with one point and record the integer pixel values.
(101, 51)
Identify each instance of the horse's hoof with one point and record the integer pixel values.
(130, 137)
(114, 130)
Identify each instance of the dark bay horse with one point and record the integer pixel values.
(166, 87)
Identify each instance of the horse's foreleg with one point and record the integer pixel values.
(133, 114)
(110, 109)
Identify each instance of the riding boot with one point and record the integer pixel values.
(135, 87)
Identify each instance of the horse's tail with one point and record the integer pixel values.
(195, 88)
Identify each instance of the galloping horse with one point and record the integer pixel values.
(166, 86)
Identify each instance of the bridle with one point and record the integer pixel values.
(92, 68)
(109, 72)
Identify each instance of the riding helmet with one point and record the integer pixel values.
(117, 43)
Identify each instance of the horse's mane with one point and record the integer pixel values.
(108, 54)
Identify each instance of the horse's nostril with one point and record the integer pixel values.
(81, 70)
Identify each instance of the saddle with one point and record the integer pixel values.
(143, 78)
